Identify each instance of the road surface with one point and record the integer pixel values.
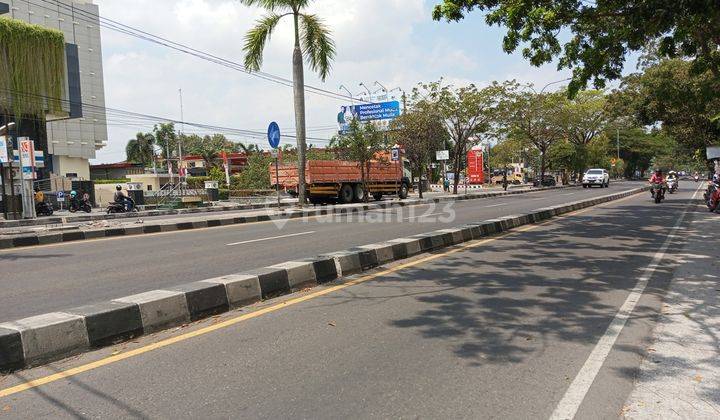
(499, 328)
(43, 279)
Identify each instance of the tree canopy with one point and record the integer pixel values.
(602, 33)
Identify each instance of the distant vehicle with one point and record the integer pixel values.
(515, 178)
(547, 181)
(341, 180)
(599, 177)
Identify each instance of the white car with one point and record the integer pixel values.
(599, 177)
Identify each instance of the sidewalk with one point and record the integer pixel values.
(680, 378)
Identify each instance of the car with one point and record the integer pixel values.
(599, 177)
(547, 181)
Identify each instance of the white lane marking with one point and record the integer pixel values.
(422, 216)
(575, 394)
(568, 194)
(539, 198)
(271, 238)
(497, 205)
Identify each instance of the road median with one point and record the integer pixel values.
(158, 226)
(40, 339)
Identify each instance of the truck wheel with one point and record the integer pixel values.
(359, 193)
(346, 194)
(403, 193)
(377, 196)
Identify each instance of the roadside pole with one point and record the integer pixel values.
(277, 176)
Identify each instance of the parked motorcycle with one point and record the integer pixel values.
(712, 197)
(114, 207)
(44, 208)
(658, 193)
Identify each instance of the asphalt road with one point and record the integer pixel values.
(44, 279)
(502, 329)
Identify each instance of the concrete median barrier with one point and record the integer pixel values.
(53, 336)
(26, 240)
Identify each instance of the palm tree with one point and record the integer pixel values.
(141, 149)
(312, 38)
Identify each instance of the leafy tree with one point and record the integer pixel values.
(583, 119)
(420, 132)
(256, 176)
(312, 38)
(246, 148)
(361, 144)
(669, 93)
(166, 139)
(536, 118)
(208, 147)
(603, 32)
(141, 149)
(467, 113)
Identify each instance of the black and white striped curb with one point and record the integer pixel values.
(33, 239)
(39, 339)
(79, 218)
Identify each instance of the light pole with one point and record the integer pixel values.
(381, 86)
(404, 96)
(352, 98)
(368, 90)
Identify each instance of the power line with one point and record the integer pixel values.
(97, 110)
(138, 33)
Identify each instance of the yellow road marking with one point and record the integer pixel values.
(221, 325)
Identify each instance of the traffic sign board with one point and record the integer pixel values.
(274, 135)
(395, 154)
(60, 194)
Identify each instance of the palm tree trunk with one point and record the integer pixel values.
(299, 97)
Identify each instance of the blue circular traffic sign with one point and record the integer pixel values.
(274, 135)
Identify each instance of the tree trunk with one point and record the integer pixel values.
(419, 183)
(365, 181)
(299, 99)
(542, 168)
(456, 171)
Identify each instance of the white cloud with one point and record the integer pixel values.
(376, 40)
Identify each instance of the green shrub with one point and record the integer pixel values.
(110, 181)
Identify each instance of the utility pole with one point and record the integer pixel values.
(182, 131)
(617, 141)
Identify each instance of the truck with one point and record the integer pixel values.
(330, 180)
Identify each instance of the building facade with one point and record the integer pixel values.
(72, 142)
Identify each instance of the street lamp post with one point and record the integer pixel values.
(352, 98)
(368, 90)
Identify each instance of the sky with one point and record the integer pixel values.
(394, 42)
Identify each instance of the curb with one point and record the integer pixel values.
(32, 239)
(146, 213)
(32, 341)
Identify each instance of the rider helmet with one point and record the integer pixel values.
(73, 193)
(118, 187)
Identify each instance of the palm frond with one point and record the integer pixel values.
(257, 38)
(271, 5)
(317, 44)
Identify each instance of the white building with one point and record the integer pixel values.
(71, 143)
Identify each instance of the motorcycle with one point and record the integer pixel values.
(44, 208)
(672, 185)
(712, 197)
(77, 204)
(115, 207)
(697, 178)
(658, 192)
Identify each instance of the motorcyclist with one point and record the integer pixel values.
(39, 196)
(672, 177)
(657, 180)
(121, 198)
